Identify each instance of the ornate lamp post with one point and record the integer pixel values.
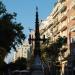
(37, 56)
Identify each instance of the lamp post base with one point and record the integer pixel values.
(37, 66)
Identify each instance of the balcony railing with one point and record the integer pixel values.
(63, 8)
(64, 49)
(61, 1)
(63, 18)
(63, 28)
(72, 23)
(73, 4)
(56, 21)
(55, 14)
(55, 30)
(72, 29)
(72, 18)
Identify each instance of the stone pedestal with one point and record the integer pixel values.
(37, 72)
(37, 66)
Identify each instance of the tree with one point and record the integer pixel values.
(2, 8)
(52, 51)
(20, 64)
(11, 32)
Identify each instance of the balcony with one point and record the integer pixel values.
(50, 25)
(63, 28)
(72, 18)
(61, 1)
(63, 8)
(71, 23)
(63, 49)
(55, 14)
(56, 21)
(55, 30)
(63, 18)
(73, 4)
(72, 29)
(41, 31)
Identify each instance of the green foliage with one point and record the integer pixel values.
(10, 31)
(52, 51)
(54, 48)
(2, 8)
(20, 64)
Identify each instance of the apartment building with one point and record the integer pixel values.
(45, 25)
(61, 22)
(22, 51)
(71, 22)
(71, 33)
(60, 29)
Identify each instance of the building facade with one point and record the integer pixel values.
(22, 51)
(61, 22)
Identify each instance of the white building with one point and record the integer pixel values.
(22, 51)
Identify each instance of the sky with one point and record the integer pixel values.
(26, 9)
